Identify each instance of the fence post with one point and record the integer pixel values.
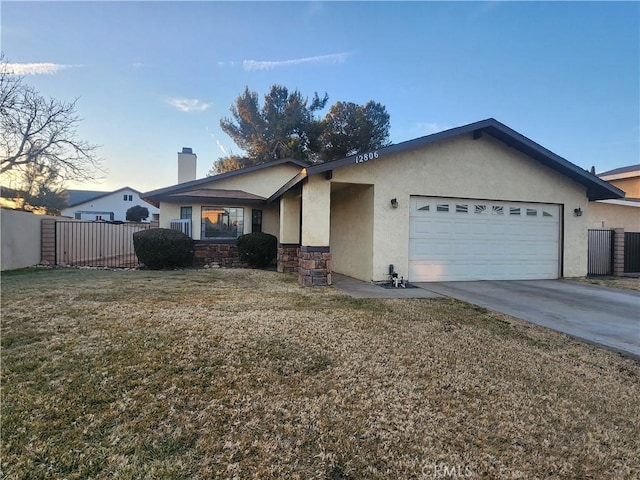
(48, 241)
(618, 252)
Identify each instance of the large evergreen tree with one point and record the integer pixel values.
(278, 129)
(349, 128)
(286, 126)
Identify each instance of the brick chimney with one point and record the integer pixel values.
(186, 165)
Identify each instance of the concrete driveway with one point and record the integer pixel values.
(605, 316)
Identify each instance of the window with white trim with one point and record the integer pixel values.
(219, 223)
(185, 213)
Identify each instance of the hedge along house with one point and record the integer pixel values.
(477, 202)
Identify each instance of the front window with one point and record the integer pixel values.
(222, 223)
(185, 213)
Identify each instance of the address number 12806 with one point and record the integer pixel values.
(365, 157)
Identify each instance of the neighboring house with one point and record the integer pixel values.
(477, 202)
(623, 212)
(107, 206)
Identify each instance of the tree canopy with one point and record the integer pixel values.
(349, 128)
(39, 148)
(287, 126)
(137, 213)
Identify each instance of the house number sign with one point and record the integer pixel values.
(365, 157)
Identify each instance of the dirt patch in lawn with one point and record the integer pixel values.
(243, 374)
(628, 283)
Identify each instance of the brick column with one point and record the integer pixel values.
(618, 252)
(314, 266)
(48, 241)
(288, 257)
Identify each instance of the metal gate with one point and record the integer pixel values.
(600, 256)
(96, 244)
(631, 252)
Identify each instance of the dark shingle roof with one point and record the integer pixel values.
(597, 189)
(616, 171)
(216, 194)
(77, 197)
(155, 195)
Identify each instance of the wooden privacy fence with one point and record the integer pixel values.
(93, 244)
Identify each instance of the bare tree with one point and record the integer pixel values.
(38, 139)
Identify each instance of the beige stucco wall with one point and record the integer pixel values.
(20, 241)
(270, 216)
(466, 168)
(608, 216)
(352, 229)
(316, 212)
(290, 205)
(270, 219)
(630, 186)
(264, 182)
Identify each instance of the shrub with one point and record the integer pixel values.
(137, 213)
(160, 248)
(257, 249)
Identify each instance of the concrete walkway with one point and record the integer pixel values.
(359, 289)
(605, 316)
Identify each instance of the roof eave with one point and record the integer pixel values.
(597, 189)
(201, 181)
(211, 200)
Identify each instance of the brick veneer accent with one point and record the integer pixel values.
(314, 266)
(618, 252)
(288, 257)
(224, 254)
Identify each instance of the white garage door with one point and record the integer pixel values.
(462, 239)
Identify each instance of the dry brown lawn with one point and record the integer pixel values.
(629, 283)
(206, 374)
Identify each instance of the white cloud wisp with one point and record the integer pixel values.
(188, 104)
(35, 68)
(334, 58)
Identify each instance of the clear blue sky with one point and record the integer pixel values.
(153, 77)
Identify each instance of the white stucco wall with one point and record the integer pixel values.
(465, 168)
(114, 202)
